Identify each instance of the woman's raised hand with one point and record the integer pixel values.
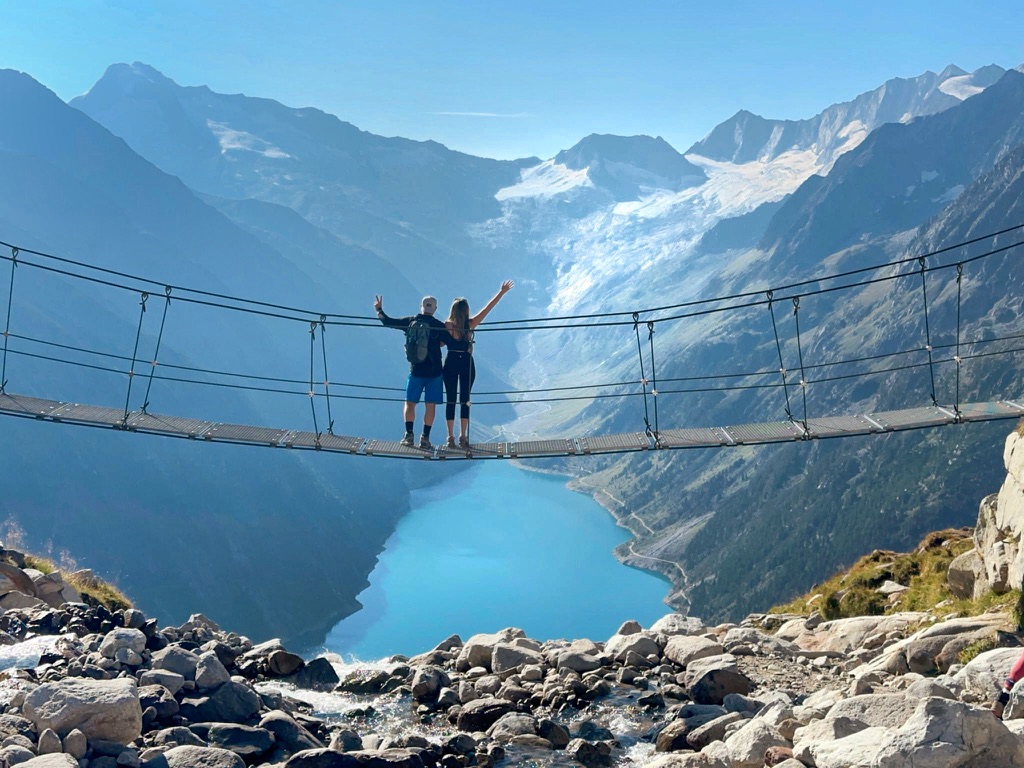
(507, 286)
(378, 303)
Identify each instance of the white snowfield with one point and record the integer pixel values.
(960, 87)
(230, 139)
(545, 180)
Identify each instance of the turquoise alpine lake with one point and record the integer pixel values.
(492, 547)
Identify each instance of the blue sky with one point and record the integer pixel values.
(513, 79)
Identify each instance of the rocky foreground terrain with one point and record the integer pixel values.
(98, 688)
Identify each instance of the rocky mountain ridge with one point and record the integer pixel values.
(92, 688)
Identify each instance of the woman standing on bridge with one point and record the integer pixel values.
(459, 368)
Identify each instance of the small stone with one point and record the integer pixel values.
(76, 744)
(49, 742)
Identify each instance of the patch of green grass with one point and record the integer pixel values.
(98, 592)
(854, 592)
(41, 564)
(94, 591)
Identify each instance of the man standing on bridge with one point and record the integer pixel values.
(424, 335)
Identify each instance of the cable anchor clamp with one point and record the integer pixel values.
(14, 255)
(959, 271)
(796, 304)
(636, 321)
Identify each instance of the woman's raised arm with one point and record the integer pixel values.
(478, 318)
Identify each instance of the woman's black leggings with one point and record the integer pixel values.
(459, 374)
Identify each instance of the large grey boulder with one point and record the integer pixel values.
(59, 760)
(513, 724)
(578, 661)
(857, 750)
(682, 649)
(709, 680)
(481, 714)
(172, 681)
(210, 672)
(965, 572)
(641, 643)
(887, 710)
(678, 624)
(176, 659)
(101, 709)
(290, 734)
(477, 650)
(947, 734)
(748, 745)
(232, 702)
(196, 757)
(507, 657)
(116, 639)
(243, 740)
(427, 683)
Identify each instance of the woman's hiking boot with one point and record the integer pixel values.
(451, 441)
(464, 441)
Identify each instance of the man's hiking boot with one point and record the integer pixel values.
(407, 440)
(451, 442)
(425, 443)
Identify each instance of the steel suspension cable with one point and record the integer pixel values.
(312, 391)
(7, 325)
(927, 328)
(327, 379)
(643, 374)
(369, 323)
(654, 383)
(156, 352)
(135, 353)
(956, 357)
(778, 347)
(800, 357)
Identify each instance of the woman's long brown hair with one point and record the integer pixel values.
(459, 318)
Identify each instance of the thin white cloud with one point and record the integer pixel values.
(484, 114)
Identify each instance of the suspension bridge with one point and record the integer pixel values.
(945, 269)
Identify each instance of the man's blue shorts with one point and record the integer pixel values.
(417, 385)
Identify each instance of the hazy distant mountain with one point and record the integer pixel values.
(746, 137)
(408, 201)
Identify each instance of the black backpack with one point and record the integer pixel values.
(417, 336)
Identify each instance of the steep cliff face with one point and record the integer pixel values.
(998, 558)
